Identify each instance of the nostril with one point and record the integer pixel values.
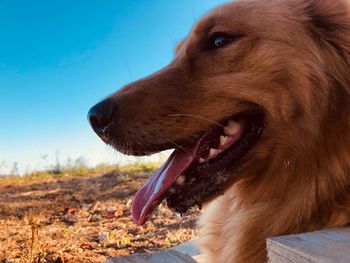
(100, 116)
(95, 123)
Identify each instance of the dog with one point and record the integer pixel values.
(256, 105)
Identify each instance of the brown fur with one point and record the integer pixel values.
(293, 61)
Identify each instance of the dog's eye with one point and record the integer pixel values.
(219, 40)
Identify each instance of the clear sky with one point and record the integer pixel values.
(60, 57)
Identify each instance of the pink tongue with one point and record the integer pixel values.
(153, 192)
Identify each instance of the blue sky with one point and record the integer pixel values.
(59, 57)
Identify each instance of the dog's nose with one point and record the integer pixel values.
(100, 117)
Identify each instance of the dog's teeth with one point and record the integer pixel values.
(223, 140)
(232, 127)
(212, 152)
(180, 180)
(201, 160)
(178, 215)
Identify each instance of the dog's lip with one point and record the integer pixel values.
(150, 149)
(197, 157)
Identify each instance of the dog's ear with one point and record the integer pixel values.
(327, 16)
(329, 23)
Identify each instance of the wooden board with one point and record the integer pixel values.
(184, 253)
(325, 246)
(190, 248)
(157, 257)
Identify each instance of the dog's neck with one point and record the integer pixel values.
(305, 193)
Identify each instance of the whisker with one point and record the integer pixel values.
(197, 117)
(176, 126)
(177, 146)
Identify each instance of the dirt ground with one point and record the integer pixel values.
(82, 219)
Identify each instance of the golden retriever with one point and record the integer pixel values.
(256, 104)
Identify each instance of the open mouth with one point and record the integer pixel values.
(195, 173)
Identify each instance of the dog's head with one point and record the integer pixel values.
(248, 94)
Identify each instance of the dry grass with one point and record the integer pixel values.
(82, 218)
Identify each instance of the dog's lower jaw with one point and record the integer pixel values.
(231, 230)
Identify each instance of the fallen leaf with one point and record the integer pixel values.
(69, 211)
(70, 219)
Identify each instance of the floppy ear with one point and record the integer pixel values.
(327, 16)
(329, 22)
